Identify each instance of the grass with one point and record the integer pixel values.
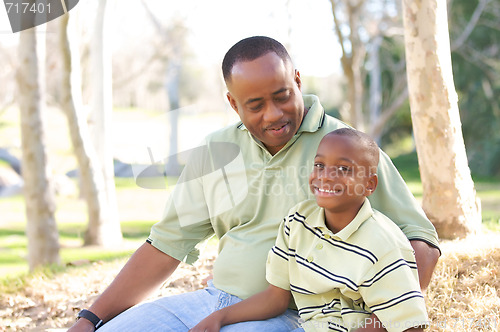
(13, 247)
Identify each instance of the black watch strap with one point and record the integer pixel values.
(89, 315)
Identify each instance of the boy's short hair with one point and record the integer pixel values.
(249, 49)
(370, 146)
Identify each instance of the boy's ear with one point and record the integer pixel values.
(371, 184)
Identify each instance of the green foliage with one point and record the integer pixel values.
(476, 69)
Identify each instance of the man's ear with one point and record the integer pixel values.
(298, 80)
(371, 184)
(232, 102)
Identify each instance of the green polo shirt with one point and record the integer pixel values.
(234, 188)
(338, 280)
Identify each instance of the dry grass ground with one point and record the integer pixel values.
(464, 294)
(465, 291)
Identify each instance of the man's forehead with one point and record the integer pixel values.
(268, 61)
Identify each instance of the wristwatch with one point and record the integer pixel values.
(90, 316)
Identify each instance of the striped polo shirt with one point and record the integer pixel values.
(338, 279)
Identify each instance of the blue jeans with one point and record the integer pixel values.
(181, 312)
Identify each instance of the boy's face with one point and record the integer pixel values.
(266, 95)
(342, 175)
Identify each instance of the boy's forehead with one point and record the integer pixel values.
(344, 144)
(332, 139)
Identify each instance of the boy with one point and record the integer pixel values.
(341, 260)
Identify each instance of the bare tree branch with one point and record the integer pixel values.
(470, 25)
(385, 116)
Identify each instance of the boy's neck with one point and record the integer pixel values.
(336, 221)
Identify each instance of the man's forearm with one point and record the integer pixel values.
(146, 270)
(426, 257)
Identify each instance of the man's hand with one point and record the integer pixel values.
(131, 285)
(82, 325)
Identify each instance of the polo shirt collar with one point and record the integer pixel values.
(364, 213)
(314, 118)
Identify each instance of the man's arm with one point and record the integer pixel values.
(146, 270)
(266, 304)
(426, 257)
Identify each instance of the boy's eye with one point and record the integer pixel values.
(318, 165)
(343, 170)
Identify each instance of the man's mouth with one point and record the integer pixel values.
(277, 128)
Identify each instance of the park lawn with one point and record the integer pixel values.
(13, 250)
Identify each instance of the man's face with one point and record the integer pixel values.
(342, 177)
(266, 95)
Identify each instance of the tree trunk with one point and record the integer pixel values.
(172, 86)
(41, 228)
(449, 197)
(107, 227)
(90, 171)
(353, 55)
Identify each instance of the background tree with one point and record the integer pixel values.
(171, 53)
(41, 229)
(106, 229)
(90, 171)
(369, 33)
(449, 197)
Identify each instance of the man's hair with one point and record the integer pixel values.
(249, 49)
(365, 140)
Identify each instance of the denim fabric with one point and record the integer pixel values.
(181, 312)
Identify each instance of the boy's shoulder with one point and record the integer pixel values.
(381, 229)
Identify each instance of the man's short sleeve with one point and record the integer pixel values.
(394, 199)
(186, 220)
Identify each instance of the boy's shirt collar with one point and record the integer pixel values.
(364, 213)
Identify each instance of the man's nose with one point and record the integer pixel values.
(273, 113)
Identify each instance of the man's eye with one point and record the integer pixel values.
(318, 165)
(256, 108)
(283, 98)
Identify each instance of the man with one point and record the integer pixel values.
(242, 199)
